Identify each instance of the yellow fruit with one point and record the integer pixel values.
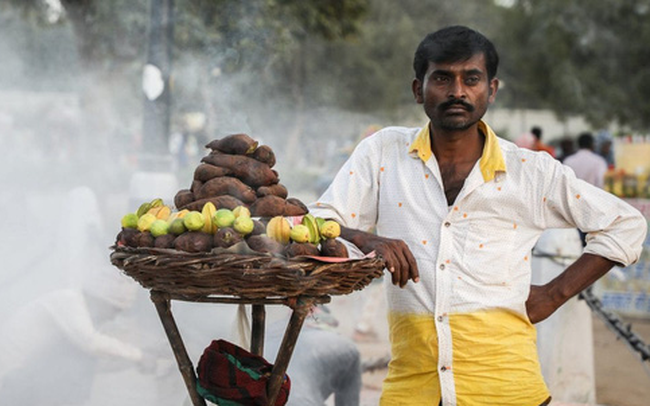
(244, 225)
(193, 220)
(330, 229)
(177, 227)
(145, 222)
(157, 202)
(299, 233)
(309, 221)
(224, 218)
(130, 220)
(279, 229)
(164, 213)
(143, 209)
(208, 212)
(241, 211)
(159, 227)
(177, 215)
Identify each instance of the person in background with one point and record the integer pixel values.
(604, 147)
(457, 211)
(538, 145)
(324, 363)
(568, 148)
(587, 165)
(51, 347)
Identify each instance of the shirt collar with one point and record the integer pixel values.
(490, 163)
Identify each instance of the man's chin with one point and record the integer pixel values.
(456, 125)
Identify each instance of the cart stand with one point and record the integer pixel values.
(301, 306)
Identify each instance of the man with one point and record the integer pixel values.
(538, 144)
(457, 210)
(588, 165)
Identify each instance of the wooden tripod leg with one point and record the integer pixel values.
(298, 316)
(257, 334)
(163, 306)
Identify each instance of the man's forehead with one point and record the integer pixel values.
(474, 63)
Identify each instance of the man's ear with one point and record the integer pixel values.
(493, 89)
(416, 86)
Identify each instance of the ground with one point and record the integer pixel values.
(621, 378)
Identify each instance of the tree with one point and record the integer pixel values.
(579, 57)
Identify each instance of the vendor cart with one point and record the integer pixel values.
(232, 278)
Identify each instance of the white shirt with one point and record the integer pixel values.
(588, 166)
(473, 258)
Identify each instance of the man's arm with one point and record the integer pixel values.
(546, 299)
(399, 259)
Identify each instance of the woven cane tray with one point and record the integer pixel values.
(244, 275)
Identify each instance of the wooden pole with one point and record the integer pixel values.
(257, 333)
(300, 311)
(163, 306)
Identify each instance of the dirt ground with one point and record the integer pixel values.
(621, 379)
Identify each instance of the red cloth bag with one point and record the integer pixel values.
(229, 376)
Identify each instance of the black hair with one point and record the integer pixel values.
(537, 132)
(453, 44)
(586, 140)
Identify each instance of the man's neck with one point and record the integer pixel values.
(457, 146)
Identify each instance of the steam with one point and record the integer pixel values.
(67, 131)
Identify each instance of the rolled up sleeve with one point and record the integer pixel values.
(615, 230)
(351, 198)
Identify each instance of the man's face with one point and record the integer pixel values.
(456, 95)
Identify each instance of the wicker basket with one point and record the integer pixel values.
(242, 275)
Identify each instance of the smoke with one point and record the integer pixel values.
(72, 141)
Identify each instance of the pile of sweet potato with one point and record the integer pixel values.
(238, 172)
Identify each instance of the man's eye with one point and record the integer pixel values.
(472, 80)
(441, 79)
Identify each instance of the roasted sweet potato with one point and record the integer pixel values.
(145, 239)
(196, 186)
(276, 190)
(205, 172)
(220, 202)
(183, 197)
(264, 154)
(194, 241)
(262, 243)
(226, 237)
(237, 144)
(300, 248)
(258, 228)
(128, 237)
(164, 241)
(331, 247)
(226, 185)
(268, 206)
(252, 172)
(296, 202)
(291, 210)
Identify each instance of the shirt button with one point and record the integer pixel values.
(440, 318)
(447, 224)
(442, 267)
(443, 369)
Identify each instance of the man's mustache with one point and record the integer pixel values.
(456, 102)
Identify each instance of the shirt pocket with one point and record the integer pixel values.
(488, 251)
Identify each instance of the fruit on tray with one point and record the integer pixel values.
(238, 172)
(234, 196)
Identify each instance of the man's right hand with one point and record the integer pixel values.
(399, 259)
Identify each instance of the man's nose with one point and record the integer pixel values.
(457, 89)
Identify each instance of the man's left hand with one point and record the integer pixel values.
(539, 306)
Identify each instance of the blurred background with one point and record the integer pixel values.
(107, 104)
